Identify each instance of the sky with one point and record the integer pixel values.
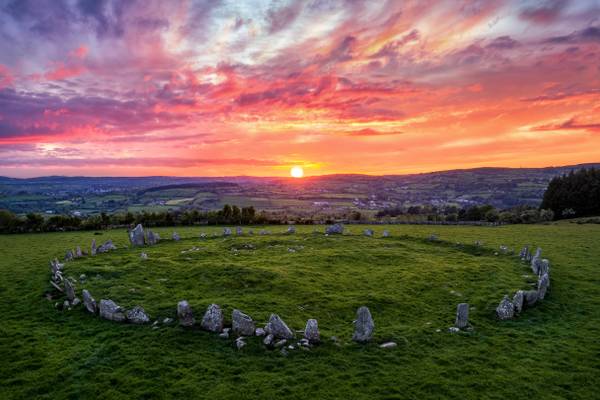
(254, 87)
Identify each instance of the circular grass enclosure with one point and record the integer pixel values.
(410, 284)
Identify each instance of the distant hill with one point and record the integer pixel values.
(500, 187)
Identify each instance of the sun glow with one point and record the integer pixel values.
(297, 172)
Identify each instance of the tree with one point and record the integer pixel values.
(576, 194)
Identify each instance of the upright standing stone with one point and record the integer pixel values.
(176, 236)
(311, 331)
(69, 255)
(278, 328)
(136, 236)
(93, 249)
(543, 284)
(506, 309)
(185, 314)
(462, 316)
(226, 232)
(151, 238)
(213, 319)
(111, 311)
(69, 290)
(518, 301)
(78, 252)
(239, 231)
(89, 302)
(363, 326)
(544, 267)
(368, 232)
(386, 233)
(291, 230)
(242, 324)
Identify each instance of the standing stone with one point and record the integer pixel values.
(226, 232)
(291, 230)
(185, 314)
(239, 231)
(363, 326)
(368, 232)
(543, 284)
(176, 236)
(213, 319)
(136, 236)
(311, 331)
(137, 315)
(462, 316)
(530, 297)
(386, 233)
(335, 229)
(544, 267)
(106, 247)
(69, 290)
(242, 324)
(518, 299)
(506, 309)
(278, 328)
(78, 252)
(111, 311)
(538, 252)
(89, 302)
(69, 255)
(536, 264)
(93, 249)
(523, 253)
(151, 238)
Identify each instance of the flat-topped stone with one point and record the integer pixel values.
(137, 315)
(311, 331)
(462, 316)
(111, 311)
(242, 324)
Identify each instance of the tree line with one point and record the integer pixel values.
(576, 194)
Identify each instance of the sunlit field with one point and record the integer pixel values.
(411, 285)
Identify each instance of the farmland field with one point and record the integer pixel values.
(411, 285)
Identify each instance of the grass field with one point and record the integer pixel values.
(411, 285)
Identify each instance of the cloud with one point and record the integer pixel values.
(570, 124)
(544, 12)
(589, 34)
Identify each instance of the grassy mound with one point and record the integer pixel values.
(411, 285)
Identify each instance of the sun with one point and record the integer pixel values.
(297, 172)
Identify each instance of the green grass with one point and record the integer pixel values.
(411, 285)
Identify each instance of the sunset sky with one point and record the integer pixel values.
(218, 87)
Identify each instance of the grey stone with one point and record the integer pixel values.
(242, 324)
(386, 233)
(137, 315)
(136, 236)
(78, 252)
(176, 236)
(506, 309)
(363, 326)
(536, 265)
(224, 335)
(76, 302)
(281, 343)
(279, 328)
(268, 340)
(167, 320)
(433, 238)
(518, 301)
(144, 256)
(462, 316)
(530, 297)
(185, 314)
(89, 302)
(291, 230)
(106, 247)
(93, 248)
(239, 231)
(226, 232)
(543, 284)
(259, 332)
(311, 331)
(453, 329)
(544, 267)
(213, 319)
(335, 229)
(69, 255)
(368, 232)
(239, 343)
(69, 290)
(388, 345)
(152, 238)
(111, 311)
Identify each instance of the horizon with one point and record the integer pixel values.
(256, 88)
(582, 165)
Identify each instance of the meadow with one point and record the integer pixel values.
(410, 284)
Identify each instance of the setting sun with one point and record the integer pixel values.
(297, 172)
